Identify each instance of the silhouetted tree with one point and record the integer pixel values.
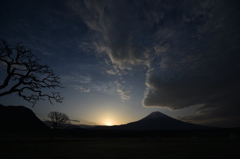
(26, 75)
(56, 121)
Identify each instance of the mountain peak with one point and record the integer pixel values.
(156, 115)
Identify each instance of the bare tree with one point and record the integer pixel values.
(24, 74)
(57, 120)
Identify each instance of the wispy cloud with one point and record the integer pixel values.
(111, 72)
(82, 89)
(75, 120)
(116, 31)
(123, 93)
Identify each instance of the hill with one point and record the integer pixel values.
(15, 119)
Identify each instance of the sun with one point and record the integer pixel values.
(108, 123)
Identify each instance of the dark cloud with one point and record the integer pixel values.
(203, 69)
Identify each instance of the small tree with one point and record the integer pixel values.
(26, 75)
(56, 121)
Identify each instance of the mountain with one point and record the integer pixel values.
(155, 121)
(14, 119)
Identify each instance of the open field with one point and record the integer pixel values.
(118, 148)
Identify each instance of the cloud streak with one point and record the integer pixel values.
(77, 78)
(123, 93)
(82, 89)
(117, 33)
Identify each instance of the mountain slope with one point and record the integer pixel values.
(19, 119)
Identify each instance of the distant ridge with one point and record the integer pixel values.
(14, 119)
(155, 121)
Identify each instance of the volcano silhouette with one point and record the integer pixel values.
(156, 121)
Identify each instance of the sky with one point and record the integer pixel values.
(120, 60)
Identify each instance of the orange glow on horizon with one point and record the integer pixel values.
(107, 115)
(108, 123)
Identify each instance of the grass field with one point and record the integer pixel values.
(42, 148)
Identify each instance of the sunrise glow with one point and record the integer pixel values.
(108, 123)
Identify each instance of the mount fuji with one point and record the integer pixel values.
(156, 121)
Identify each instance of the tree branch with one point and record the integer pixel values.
(23, 68)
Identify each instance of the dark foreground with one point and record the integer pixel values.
(118, 148)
